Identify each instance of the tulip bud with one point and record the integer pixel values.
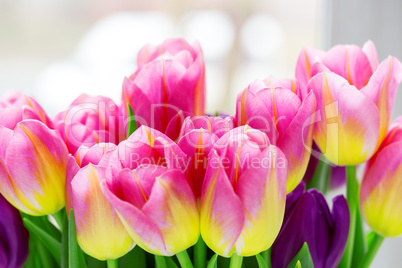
(380, 191)
(344, 79)
(243, 195)
(308, 219)
(33, 162)
(14, 236)
(274, 106)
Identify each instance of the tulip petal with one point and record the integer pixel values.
(371, 53)
(173, 208)
(305, 61)
(350, 62)
(380, 192)
(341, 219)
(343, 133)
(382, 89)
(296, 142)
(263, 194)
(95, 217)
(222, 213)
(36, 160)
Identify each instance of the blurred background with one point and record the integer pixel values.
(56, 49)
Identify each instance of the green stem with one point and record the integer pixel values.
(184, 259)
(236, 261)
(321, 176)
(200, 253)
(59, 216)
(112, 263)
(266, 255)
(352, 191)
(369, 256)
(160, 262)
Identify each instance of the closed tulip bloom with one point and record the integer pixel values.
(198, 136)
(308, 219)
(13, 236)
(168, 85)
(100, 233)
(33, 162)
(157, 207)
(243, 195)
(90, 120)
(381, 188)
(344, 79)
(275, 107)
(16, 107)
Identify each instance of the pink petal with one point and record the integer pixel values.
(371, 53)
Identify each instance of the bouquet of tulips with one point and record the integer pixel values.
(156, 182)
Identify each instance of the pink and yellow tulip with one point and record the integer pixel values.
(157, 207)
(244, 193)
(381, 188)
(275, 107)
(345, 79)
(33, 162)
(90, 120)
(168, 85)
(100, 233)
(197, 138)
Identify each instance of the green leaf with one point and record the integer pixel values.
(132, 124)
(47, 240)
(137, 255)
(261, 261)
(75, 256)
(213, 261)
(298, 265)
(64, 243)
(304, 257)
(360, 245)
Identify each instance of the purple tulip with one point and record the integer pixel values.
(13, 236)
(308, 219)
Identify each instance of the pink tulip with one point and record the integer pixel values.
(197, 138)
(275, 107)
(168, 85)
(90, 120)
(345, 79)
(381, 188)
(244, 193)
(17, 107)
(33, 161)
(157, 207)
(100, 233)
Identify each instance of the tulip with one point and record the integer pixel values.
(17, 106)
(168, 85)
(13, 236)
(274, 106)
(33, 162)
(100, 233)
(345, 79)
(88, 121)
(157, 207)
(308, 219)
(243, 195)
(198, 136)
(380, 191)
